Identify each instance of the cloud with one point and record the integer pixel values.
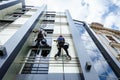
(112, 19)
(106, 12)
(96, 9)
(102, 11)
(116, 2)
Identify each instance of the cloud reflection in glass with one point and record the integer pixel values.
(100, 64)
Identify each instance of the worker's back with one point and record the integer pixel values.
(61, 41)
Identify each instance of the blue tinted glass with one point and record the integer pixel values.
(100, 64)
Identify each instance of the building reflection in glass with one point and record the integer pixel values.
(100, 64)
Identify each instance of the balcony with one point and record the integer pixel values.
(114, 44)
(117, 45)
(118, 57)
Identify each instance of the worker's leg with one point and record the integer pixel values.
(67, 52)
(38, 43)
(59, 51)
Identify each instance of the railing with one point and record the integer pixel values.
(39, 65)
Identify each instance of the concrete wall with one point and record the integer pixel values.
(9, 10)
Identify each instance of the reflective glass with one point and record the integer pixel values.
(100, 64)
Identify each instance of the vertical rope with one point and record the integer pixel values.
(62, 49)
(60, 25)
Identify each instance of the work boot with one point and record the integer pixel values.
(69, 57)
(47, 45)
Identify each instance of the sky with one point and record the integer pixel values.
(106, 12)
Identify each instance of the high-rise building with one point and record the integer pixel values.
(94, 50)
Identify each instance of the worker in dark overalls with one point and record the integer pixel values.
(41, 39)
(61, 44)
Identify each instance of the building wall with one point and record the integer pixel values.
(93, 52)
(17, 64)
(11, 28)
(20, 42)
(9, 10)
(109, 39)
(62, 66)
(61, 27)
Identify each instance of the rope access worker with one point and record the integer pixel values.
(41, 38)
(61, 44)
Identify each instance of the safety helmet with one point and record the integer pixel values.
(60, 36)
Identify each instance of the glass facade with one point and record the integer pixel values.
(100, 64)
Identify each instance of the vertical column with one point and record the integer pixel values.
(80, 50)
